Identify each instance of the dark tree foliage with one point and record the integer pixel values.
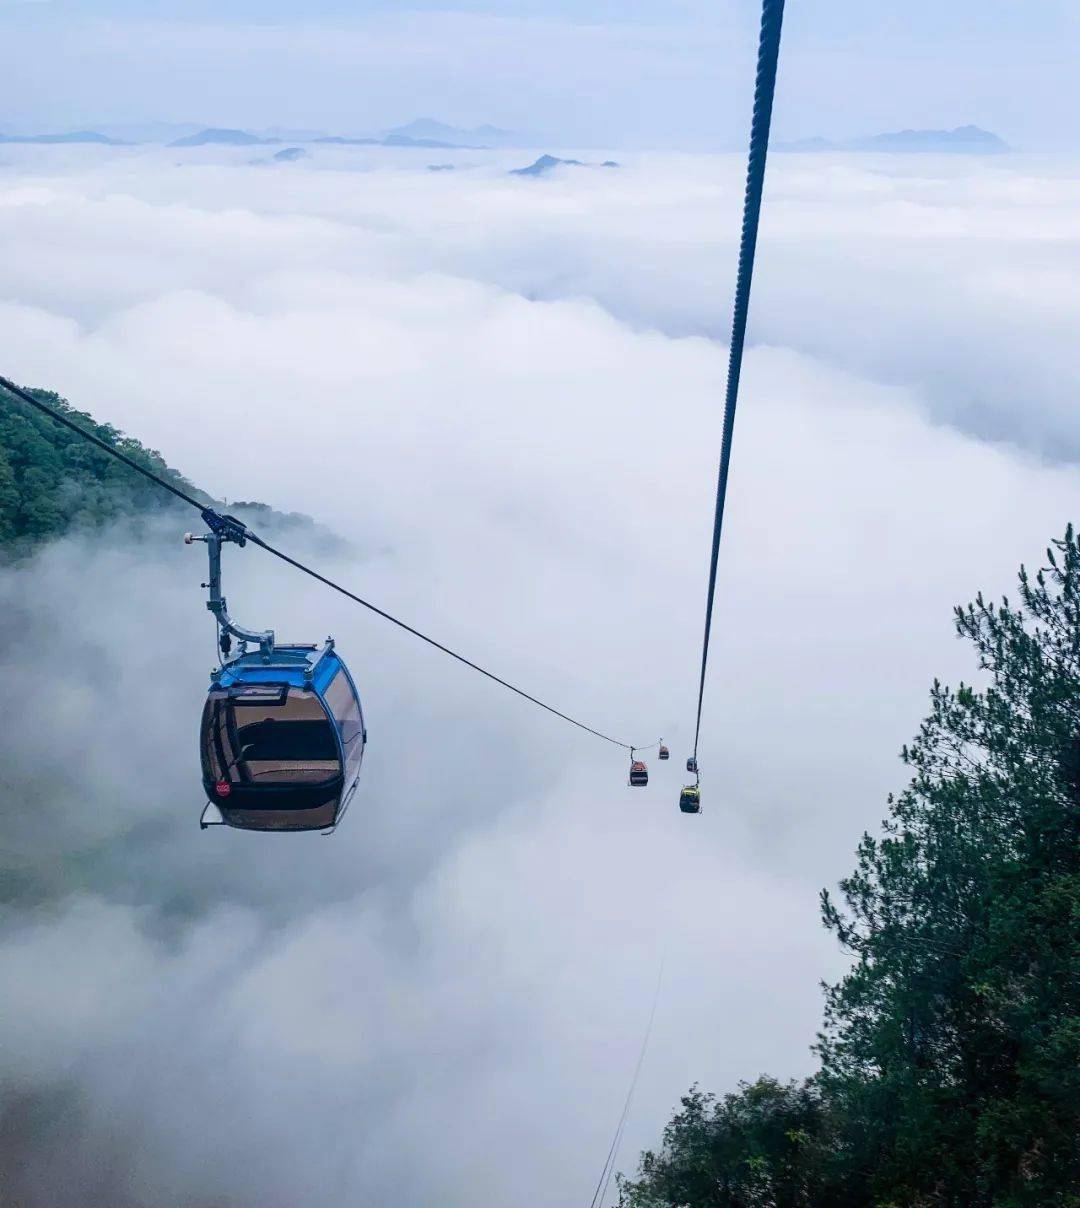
(52, 481)
(950, 1054)
(766, 1145)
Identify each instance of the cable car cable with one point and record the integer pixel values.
(772, 17)
(241, 533)
(600, 1194)
(307, 570)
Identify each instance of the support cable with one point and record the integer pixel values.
(772, 17)
(233, 530)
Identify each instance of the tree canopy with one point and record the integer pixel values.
(950, 1052)
(52, 481)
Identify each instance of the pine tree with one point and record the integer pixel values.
(954, 1043)
(950, 1054)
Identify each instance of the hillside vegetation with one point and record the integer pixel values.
(950, 1053)
(53, 481)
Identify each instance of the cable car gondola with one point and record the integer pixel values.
(282, 735)
(663, 753)
(691, 765)
(639, 774)
(690, 799)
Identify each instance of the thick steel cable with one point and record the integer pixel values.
(772, 17)
(60, 418)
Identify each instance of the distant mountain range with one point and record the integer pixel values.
(75, 136)
(287, 155)
(147, 132)
(424, 132)
(214, 136)
(338, 141)
(546, 163)
(416, 134)
(434, 135)
(241, 138)
(969, 140)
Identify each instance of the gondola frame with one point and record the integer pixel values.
(308, 668)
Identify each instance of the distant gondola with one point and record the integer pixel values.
(639, 774)
(691, 765)
(663, 753)
(690, 799)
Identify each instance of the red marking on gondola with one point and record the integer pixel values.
(223, 788)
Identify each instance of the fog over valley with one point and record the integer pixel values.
(504, 393)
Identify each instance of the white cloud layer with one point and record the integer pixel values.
(506, 395)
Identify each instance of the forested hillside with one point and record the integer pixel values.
(950, 1053)
(52, 481)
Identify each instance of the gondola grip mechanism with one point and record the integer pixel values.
(227, 528)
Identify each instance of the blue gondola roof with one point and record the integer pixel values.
(296, 666)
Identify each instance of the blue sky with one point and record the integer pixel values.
(631, 72)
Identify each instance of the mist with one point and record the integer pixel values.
(503, 394)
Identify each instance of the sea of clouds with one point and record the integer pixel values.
(505, 393)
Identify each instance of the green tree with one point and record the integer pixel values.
(765, 1146)
(52, 481)
(953, 1045)
(950, 1054)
